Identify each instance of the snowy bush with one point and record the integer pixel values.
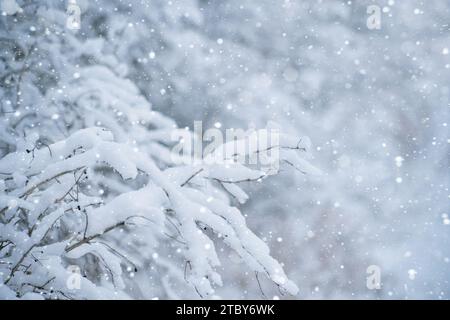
(89, 185)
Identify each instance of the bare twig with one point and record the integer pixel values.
(87, 239)
(259, 285)
(30, 190)
(191, 177)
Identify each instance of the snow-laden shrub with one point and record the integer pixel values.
(89, 186)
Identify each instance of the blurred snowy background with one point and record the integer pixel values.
(374, 102)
